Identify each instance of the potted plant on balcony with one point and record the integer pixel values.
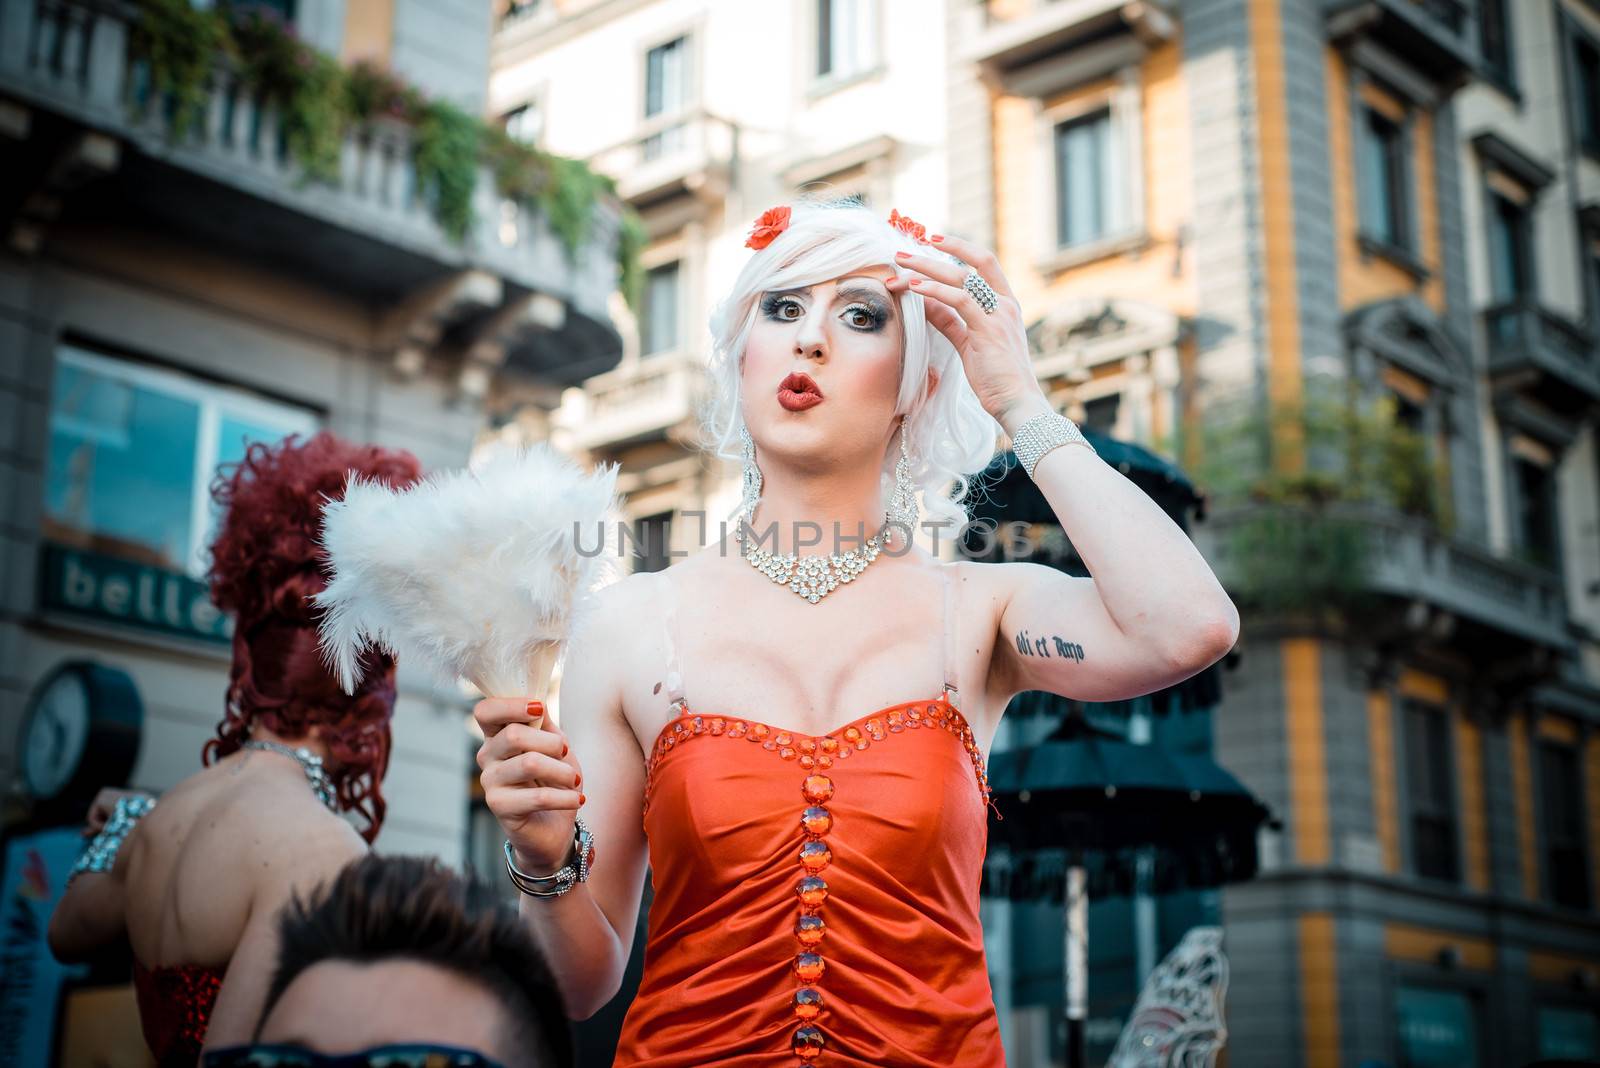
(1294, 494)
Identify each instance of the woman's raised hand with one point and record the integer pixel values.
(531, 780)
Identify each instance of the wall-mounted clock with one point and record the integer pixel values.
(80, 732)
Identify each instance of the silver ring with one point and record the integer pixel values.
(981, 292)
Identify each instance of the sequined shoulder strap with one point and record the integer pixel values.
(950, 624)
(673, 683)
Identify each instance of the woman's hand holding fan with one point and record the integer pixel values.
(477, 574)
(531, 780)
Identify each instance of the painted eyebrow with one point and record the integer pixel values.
(855, 292)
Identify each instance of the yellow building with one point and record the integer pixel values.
(1224, 217)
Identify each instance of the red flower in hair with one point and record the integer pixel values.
(773, 222)
(906, 225)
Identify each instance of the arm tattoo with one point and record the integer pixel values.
(1031, 646)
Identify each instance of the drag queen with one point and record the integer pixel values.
(195, 883)
(792, 729)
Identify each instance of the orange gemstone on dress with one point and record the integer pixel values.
(817, 788)
(808, 745)
(805, 761)
(736, 729)
(809, 967)
(812, 891)
(831, 745)
(842, 754)
(699, 725)
(851, 734)
(815, 855)
(785, 752)
(761, 730)
(823, 761)
(807, 1003)
(808, 1043)
(782, 738)
(817, 820)
(874, 727)
(769, 745)
(718, 725)
(809, 930)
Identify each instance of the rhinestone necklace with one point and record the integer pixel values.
(310, 763)
(815, 576)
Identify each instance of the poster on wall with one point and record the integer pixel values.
(31, 979)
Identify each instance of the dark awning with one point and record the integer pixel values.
(1086, 797)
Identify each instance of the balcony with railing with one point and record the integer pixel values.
(1405, 559)
(647, 400)
(1435, 36)
(692, 153)
(1022, 31)
(226, 179)
(1537, 353)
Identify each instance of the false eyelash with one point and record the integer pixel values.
(879, 314)
(771, 302)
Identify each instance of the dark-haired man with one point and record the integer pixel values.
(402, 962)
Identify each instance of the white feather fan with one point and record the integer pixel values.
(475, 574)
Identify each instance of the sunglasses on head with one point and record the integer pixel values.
(404, 1056)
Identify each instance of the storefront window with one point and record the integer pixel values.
(131, 455)
(1569, 1034)
(1436, 1028)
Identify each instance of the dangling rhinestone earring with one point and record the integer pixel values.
(752, 477)
(903, 511)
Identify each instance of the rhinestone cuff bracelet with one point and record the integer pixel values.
(1040, 435)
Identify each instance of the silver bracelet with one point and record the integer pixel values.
(1043, 434)
(574, 872)
(101, 854)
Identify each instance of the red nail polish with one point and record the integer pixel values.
(534, 708)
(936, 237)
(902, 255)
(916, 281)
(563, 748)
(581, 800)
(578, 781)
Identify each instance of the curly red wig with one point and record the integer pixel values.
(266, 563)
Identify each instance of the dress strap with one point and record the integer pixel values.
(950, 623)
(673, 684)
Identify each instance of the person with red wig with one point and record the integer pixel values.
(195, 884)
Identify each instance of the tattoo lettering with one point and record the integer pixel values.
(1030, 646)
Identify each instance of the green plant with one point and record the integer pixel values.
(1297, 539)
(448, 146)
(181, 46)
(631, 238)
(372, 91)
(319, 103)
(305, 86)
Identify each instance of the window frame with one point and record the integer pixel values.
(1126, 228)
(1518, 444)
(1502, 76)
(645, 351)
(532, 102)
(650, 126)
(1547, 885)
(872, 63)
(1577, 36)
(1449, 808)
(1527, 291)
(210, 397)
(1409, 94)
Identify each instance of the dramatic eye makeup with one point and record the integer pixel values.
(864, 309)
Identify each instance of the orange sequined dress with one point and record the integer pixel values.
(816, 896)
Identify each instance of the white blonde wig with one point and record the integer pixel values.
(951, 436)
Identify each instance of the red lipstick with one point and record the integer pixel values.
(797, 393)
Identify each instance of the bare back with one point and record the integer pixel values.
(211, 866)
